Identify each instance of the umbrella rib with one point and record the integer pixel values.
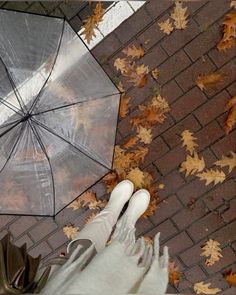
(74, 103)
(6, 104)
(48, 159)
(75, 147)
(57, 52)
(5, 132)
(13, 86)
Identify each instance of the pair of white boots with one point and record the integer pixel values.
(99, 230)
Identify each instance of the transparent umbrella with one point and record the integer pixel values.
(58, 115)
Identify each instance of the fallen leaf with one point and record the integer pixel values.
(166, 26)
(161, 186)
(211, 175)
(212, 250)
(148, 240)
(160, 102)
(174, 273)
(70, 231)
(144, 134)
(97, 205)
(233, 4)
(210, 80)
(91, 217)
(152, 207)
(188, 141)
(192, 165)
(131, 142)
(229, 32)
(155, 74)
(133, 51)
(227, 161)
(137, 177)
(142, 70)
(138, 76)
(230, 277)
(124, 106)
(179, 16)
(231, 118)
(84, 200)
(201, 288)
(122, 65)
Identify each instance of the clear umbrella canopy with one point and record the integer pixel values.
(58, 115)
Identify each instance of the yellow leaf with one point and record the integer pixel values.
(201, 288)
(192, 165)
(70, 231)
(133, 51)
(211, 175)
(144, 134)
(188, 141)
(227, 161)
(124, 106)
(174, 274)
(155, 74)
(122, 65)
(166, 26)
(142, 70)
(179, 16)
(160, 102)
(212, 250)
(137, 177)
(210, 80)
(231, 118)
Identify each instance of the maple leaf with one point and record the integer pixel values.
(174, 274)
(212, 250)
(160, 102)
(84, 200)
(166, 26)
(124, 106)
(209, 80)
(152, 207)
(70, 231)
(188, 141)
(122, 65)
(192, 165)
(223, 45)
(131, 142)
(179, 16)
(231, 118)
(138, 75)
(144, 134)
(133, 51)
(204, 288)
(91, 217)
(110, 180)
(227, 161)
(211, 175)
(137, 177)
(139, 155)
(229, 32)
(155, 73)
(230, 277)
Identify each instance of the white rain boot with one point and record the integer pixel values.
(99, 230)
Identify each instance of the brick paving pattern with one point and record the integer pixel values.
(180, 57)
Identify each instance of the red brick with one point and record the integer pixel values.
(156, 8)
(178, 244)
(158, 129)
(173, 135)
(205, 226)
(213, 10)
(165, 211)
(24, 239)
(195, 274)
(57, 239)
(208, 135)
(192, 255)
(187, 79)
(21, 225)
(143, 225)
(42, 229)
(203, 43)
(212, 109)
(171, 91)
(220, 194)
(227, 259)
(187, 103)
(42, 249)
(187, 216)
(154, 57)
(218, 281)
(230, 214)
(221, 57)
(170, 160)
(172, 66)
(167, 230)
(153, 171)
(179, 38)
(226, 144)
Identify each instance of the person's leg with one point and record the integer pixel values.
(99, 230)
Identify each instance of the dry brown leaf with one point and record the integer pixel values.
(152, 207)
(70, 231)
(137, 177)
(188, 141)
(231, 118)
(144, 134)
(212, 250)
(124, 106)
(201, 288)
(210, 81)
(223, 45)
(91, 217)
(230, 277)
(155, 74)
(133, 51)
(97, 205)
(122, 65)
(120, 86)
(160, 102)
(139, 155)
(229, 32)
(227, 161)
(211, 175)
(166, 26)
(179, 16)
(148, 240)
(131, 142)
(110, 181)
(84, 200)
(192, 165)
(174, 274)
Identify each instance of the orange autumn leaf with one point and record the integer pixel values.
(231, 118)
(84, 200)
(229, 32)
(131, 142)
(174, 274)
(133, 51)
(91, 217)
(124, 106)
(230, 277)
(152, 207)
(148, 240)
(209, 80)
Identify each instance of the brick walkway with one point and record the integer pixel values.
(180, 57)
